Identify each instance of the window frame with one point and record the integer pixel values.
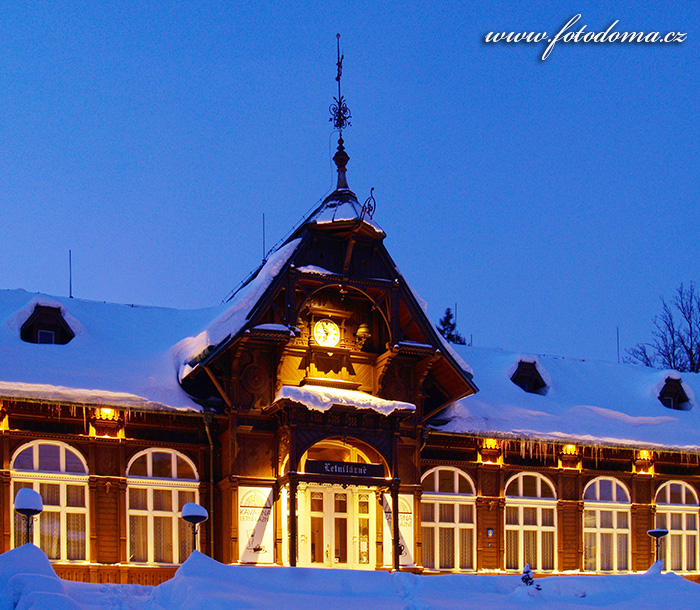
(35, 478)
(683, 510)
(457, 500)
(540, 503)
(614, 506)
(180, 531)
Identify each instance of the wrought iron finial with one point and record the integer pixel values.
(340, 113)
(369, 205)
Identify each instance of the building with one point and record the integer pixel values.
(323, 421)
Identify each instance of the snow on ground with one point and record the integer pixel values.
(28, 582)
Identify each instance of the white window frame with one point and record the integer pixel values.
(597, 508)
(457, 500)
(63, 479)
(684, 514)
(151, 484)
(540, 504)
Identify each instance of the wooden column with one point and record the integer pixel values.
(293, 483)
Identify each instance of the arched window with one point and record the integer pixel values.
(448, 517)
(59, 474)
(159, 482)
(531, 522)
(606, 526)
(677, 511)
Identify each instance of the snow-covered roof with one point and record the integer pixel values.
(341, 206)
(120, 356)
(587, 401)
(321, 398)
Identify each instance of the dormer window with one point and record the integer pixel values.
(46, 325)
(673, 396)
(528, 378)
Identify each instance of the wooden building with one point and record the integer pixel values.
(323, 421)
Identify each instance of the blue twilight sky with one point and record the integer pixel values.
(553, 201)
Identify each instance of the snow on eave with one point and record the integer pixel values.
(321, 398)
(50, 394)
(231, 322)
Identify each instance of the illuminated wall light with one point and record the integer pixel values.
(644, 454)
(106, 413)
(490, 443)
(569, 450)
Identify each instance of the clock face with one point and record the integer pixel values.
(326, 333)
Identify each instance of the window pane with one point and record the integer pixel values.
(341, 504)
(75, 495)
(25, 460)
(21, 530)
(690, 522)
(676, 552)
(548, 517)
(50, 534)
(589, 518)
(427, 512)
(547, 491)
(50, 458)
(547, 550)
(530, 549)
(447, 548)
(512, 545)
(138, 538)
(676, 521)
(676, 493)
(529, 486)
(429, 482)
(661, 520)
(184, 470)
(341, 539)
(590, 493)
(183, 497)
(589, 551)
(74, 463)
(138, 468)
(163, 539)
(428, 547)
(622, 519)
(606, 518)
(185, 538)
(605, 493)
(446, 481)
(138, 498)
(50, 494)
(466, 549)
(690, 550)
(466, 513)
(316, 538)
(512, 489)
(75, 530)
(622, 551)
(529, 516)
(606, 552)
(447, 513)
(363, 505)
(162, 499)
(512, 515)
(162, 465)
(464, 485)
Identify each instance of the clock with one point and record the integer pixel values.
(326, 333)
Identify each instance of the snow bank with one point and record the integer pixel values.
(27, 582)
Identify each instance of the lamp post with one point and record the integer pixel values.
(28, 504)
(657, 535)
(194, 514)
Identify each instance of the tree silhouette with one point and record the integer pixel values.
(448, 328)
(675, 340)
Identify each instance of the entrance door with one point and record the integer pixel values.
(341, 528)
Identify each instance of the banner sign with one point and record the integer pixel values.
(345, 469)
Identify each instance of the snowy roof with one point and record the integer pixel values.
(586, 401)
(318, 398)
(120, 356)
(340, 206)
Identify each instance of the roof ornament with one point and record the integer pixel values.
(369, 206)
(340, 117)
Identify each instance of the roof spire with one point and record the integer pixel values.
(340, 117)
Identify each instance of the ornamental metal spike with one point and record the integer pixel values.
(340, 113)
